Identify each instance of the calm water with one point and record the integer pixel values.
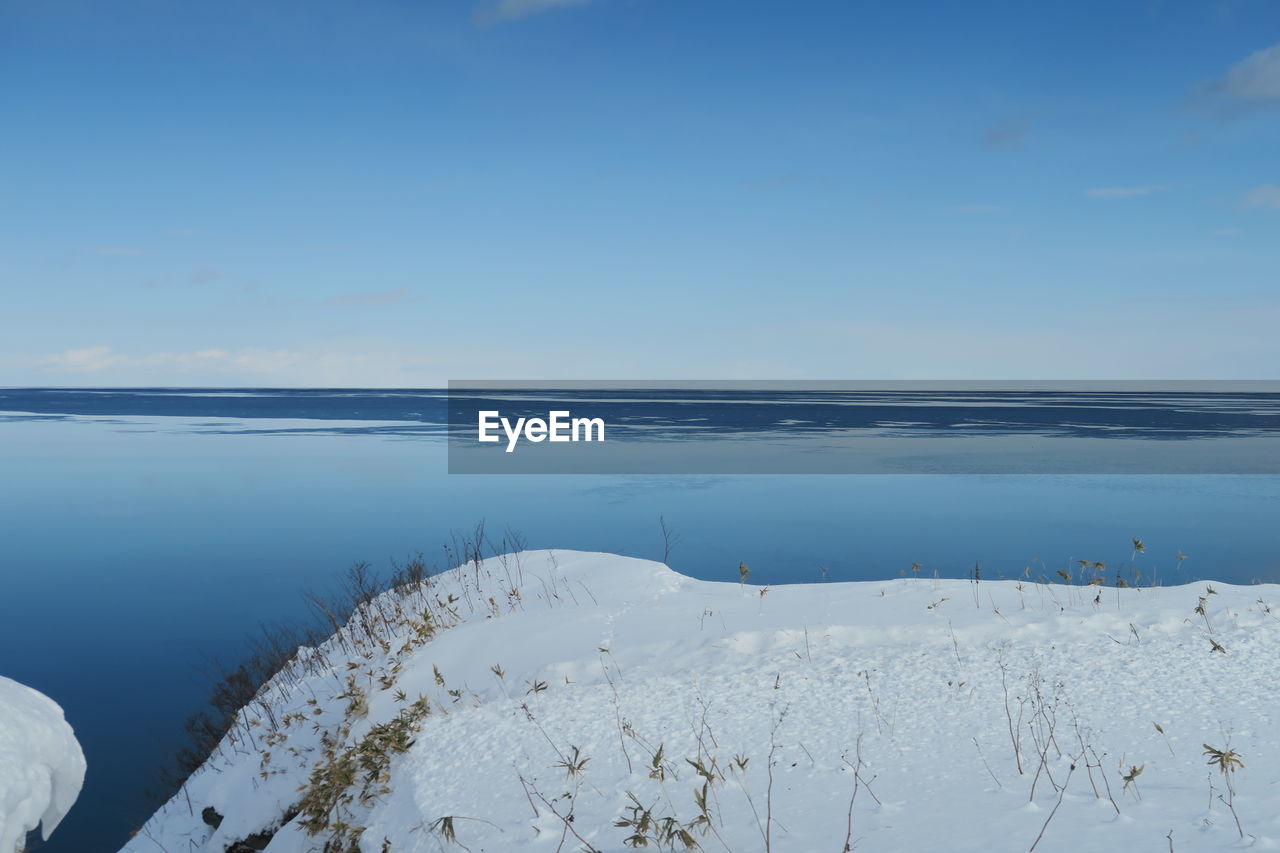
(143, 534)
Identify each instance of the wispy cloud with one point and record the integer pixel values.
(502, 11)
(119, 252)
(785, 180)
(207, 275)
(373, 298)
(1009, 133)
(332, 364)
(978, 209)
(87, 358)
(1267, 195)
(1122, 192)
(98, 358)
(1253, 81)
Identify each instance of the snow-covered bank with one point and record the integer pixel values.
(606, 702)
(41, 765)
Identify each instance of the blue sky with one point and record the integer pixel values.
(400, 193)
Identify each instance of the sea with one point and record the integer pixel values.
(145, 534)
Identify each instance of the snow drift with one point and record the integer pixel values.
(578, 701)
(41, 765)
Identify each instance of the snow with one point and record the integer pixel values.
(41, 765)
(791, 697)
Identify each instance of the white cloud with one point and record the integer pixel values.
(1215, 341)
(96, 359)
(1267, 195)
(499, 11)
(332, 364)
(1122, 192)
(1254, 79)
(87, 358)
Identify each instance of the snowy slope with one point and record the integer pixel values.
(569, 692)
(41, 765)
